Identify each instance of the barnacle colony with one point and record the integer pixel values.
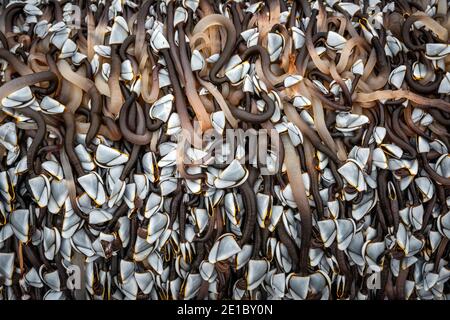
(105, 168)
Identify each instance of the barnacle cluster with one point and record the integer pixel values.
(106, 174)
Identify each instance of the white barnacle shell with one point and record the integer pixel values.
(95, 64)
(288, 196)
(162, 108)
(103, 51)
(379, 158)
(333, 208)
(32, 10)
(422, 145)
(119, 31)
(40, 188)
(191, 4)
(360, 209)
(256, 272)
(443, 225)
(20, 224)
(442, 166)
(319, 282)
(32, 279)
(218, 121)
(278, 284)
(106, 71)
(81, 243)
(126, 70)
(351, 8)
(435, 51)
(346, 229)
(173, 124)
(243, 257)
(224, 248)
(320, 50)
(354, 250)
(275, 44)
(194, 185)
(438, 146)
(301, 102)
(213, 58)
(263, 205)
(68, 49)
(444, 86)
(85, 157)
(191, 286)
(393, 150)
(415, 246)
(249, 33)
(419, 70)
(136, 86)
(335, 88)
(52, 242)
(360, 155)
(335, 41)
(84, 202)
(58, 195)
(156, 262)
(180, 15)
(208, 271)
(378, 135)
(99, 216)
(92, 183)
(426, 187)
(70, 222)
(233, 175)
(8, 136)
(402, 239)
(51, 106)
(115, 186)
(158, 41)
(254, 7)
(130, 194)
(6, 232)
(372, 252)
(59, 37)
(368, 30)
(292, 80)
(154, 204)
(169, 155)
(347, 122)
(145, 281)
(157, 224)
(41, 28)
(358, 67)
(352, 173)
(149, 166)
(53, 168)
(298, 37)
(297, 286)
(393, 46)
(200, 217)
(237, 72)
(259, 85)
(109, 157)
(397, 76)
(247, 85)
(197, 61)
(7, 266)
(19, 98)
(327, 230)
(142, 187)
